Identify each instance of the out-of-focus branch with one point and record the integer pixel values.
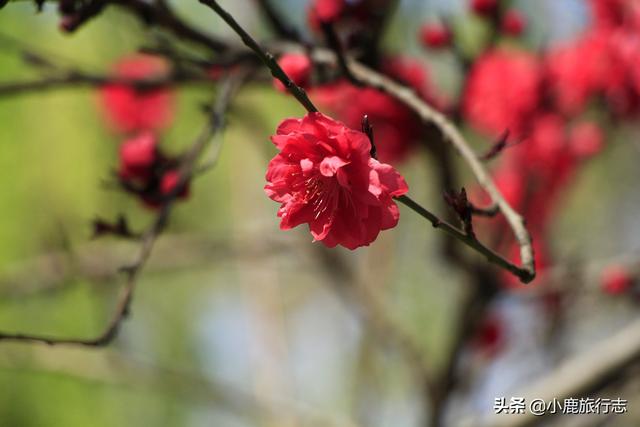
(150, 13)
(75, 79)
(582, 375)
(335, 44)
(132, 372)
(473, 305)
(161, 15)
(215, 123)
(375, 314)
(280, 26)
(97, 263)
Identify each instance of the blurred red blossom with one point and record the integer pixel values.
(586, 139)
(168, 183)
(324, 176)
(298, 67)
(577, 70)
(616, 280)
(353, 16)
(146, 172)
(326, 11)
(128, 109)
(137, 156)
(484, 7)
(514, 23)
(395, 127)
(435, 36)
(609, 13)
(159, 190)
(503, 88)
(490, 336)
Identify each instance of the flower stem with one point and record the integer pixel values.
(470, 240)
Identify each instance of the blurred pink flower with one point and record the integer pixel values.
(503, 89)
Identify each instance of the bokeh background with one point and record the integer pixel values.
(234, 322)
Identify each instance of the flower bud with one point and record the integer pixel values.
(484, 7)
(435, 36)
(514, 23)
(297, 67)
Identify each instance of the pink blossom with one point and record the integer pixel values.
(502, 90)
(514, 23)
(435, 36)
(137, 156)
(324, 176)
(615, 280)
(128, 109)
(297, 67)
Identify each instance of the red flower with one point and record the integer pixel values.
(615, 280)
(484, 7)
(414, 74)
(147, 173)
(502, 91)
(435, 36)
(354, 15)
(324, 176)
(129, 109)
(326, 10)
(576, 71)
(297, 67)
(609, 13)
(490, 336)
(514, 23)
(137, 156)
(168, 183)
(396, 127)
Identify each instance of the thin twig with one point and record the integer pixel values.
(187, 166)
(159, 14)
(473, 306)
(135, 372)
(79, 79)
(490, 211)
(465, 238)
(266, 57)
(334, 43)
(349, 286)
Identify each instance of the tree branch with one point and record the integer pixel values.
(79, 78)
(186, 169)
(349, 286)
(468, 239)
(264, 56)
(159, 13)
